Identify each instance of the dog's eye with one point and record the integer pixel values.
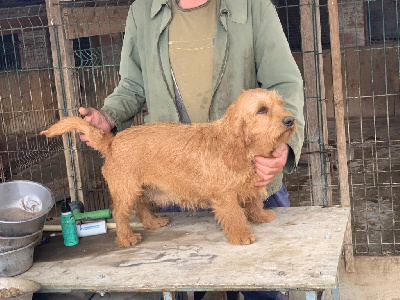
(262, 110)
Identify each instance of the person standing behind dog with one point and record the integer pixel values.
(188, 60)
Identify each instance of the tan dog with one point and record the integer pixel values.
(194, 166)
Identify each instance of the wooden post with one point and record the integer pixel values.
(63, 63)
(3, 155)
(339, 122)
(314, 91)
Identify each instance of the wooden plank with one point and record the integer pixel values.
(300, 249)
(314, 91)
(339, 122)
(3, 153)
(63, 63)
(91, 21)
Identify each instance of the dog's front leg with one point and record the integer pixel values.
(233, 220)
(255, 212)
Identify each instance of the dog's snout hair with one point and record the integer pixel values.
(194, 166)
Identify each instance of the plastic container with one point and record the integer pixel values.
(93, 228)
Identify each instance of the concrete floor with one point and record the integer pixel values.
(375, 278)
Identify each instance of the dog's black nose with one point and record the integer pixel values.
(288, 121)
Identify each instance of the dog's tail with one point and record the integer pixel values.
(100, 141)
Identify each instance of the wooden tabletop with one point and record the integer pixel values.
(300, 249)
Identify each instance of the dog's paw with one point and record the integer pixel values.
(264, 216)
(130, 240)
(156, 223)
(242, 239)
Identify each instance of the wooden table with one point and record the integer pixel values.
(299, 250)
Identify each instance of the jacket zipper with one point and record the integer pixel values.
(163, 73)
(159, 58)
(223, 66)
(224, 63)
(161, 68)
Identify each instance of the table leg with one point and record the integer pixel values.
(314, 295)
(335, 294)
(169, 296)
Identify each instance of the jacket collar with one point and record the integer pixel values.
(236, 9)
(157, 5)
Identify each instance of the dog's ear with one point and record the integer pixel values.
(238, 140)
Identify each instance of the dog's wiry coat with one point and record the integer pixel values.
(194, 166)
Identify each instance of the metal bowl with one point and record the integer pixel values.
(10, 194)
(16, 242)
(27, 287)
(17, 261)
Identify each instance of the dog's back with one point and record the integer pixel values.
(185, 159)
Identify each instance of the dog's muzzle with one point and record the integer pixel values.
(288, 121)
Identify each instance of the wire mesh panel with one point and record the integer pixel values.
(370, 56)
(27, 100)
(371, 71)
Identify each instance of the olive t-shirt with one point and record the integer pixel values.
(191, 56)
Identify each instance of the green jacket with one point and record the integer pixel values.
(250, 51)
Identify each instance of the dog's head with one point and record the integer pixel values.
(259, 122)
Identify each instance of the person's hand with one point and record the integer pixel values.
(97, 119)
(267, 168)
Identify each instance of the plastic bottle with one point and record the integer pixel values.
(68, 226)
(93, 228)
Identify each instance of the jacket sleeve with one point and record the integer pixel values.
(128, 97)
(277, 70)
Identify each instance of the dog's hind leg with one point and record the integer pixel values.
(233, 220)
(255, 212)
(146, 217)
(123, 201)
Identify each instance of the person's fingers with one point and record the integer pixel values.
(85, 111)
(262, 183)
(83, 138)
(265, 180)
(280, 150)
(267, 173)
(91, 115)
(264, 163)
(264, 171)
(97, 118)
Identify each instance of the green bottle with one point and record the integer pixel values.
(68, 225)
